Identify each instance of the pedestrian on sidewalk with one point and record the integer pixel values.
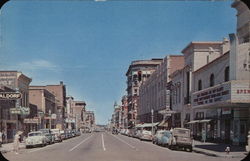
(227, 150)
(17, 141)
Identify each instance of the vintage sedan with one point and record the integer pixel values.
(58, 137)
(145, 135)
(157, 136)
(181, 138)
(165, 138)
(34, 139)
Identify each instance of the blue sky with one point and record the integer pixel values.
(89, 45)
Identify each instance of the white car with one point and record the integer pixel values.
(145, 135)
(36, 138)
(57, 133)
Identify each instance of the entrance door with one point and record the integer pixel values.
(243, 132)
(227, 131)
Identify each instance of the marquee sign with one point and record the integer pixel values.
(212, 95)
(10, 95)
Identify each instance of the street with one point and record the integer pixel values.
(103, 146)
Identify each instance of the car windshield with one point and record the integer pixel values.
(182, 132)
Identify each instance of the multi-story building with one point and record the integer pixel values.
(154, 91)
(138, 72)
(69, 121)
(215, 86)
(221, 88)
(45, 102)
(8, 121)
(17, 82)
(88, 118)
(59, 91)
(78, 109)
(32, 121)
(196, 55)
(124, 112)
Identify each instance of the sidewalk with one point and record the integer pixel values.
(218, 150)
(9, 147)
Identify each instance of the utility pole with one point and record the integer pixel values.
(152, 120)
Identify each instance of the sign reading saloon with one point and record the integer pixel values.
(212, 95)
(10, 95)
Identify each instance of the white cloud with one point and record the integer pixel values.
(37, 64)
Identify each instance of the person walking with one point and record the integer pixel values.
(16, 142)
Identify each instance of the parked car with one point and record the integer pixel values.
(145, 135)
(57, 133)
(165, 138)
(115, 131)
(132, 132)
(137, 133)
(181, 138)
(36, 138)
(157, 136)
(62, 133)
(78, 133)
(50, 138)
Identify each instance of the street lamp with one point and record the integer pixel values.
(152, 120)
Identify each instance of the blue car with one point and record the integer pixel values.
(165, 138)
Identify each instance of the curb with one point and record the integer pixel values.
(205, 152)
(3, 150)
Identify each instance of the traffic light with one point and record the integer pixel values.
(139, 76)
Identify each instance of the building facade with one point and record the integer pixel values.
(8, 121)
(154, 91)
(46, 103)
(59, 91)
(78, 109)
(16, 81)
(124, 112)
(88, 118)
(138, 72)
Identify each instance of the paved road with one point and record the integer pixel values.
(104, 146)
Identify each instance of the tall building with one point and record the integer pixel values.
(138, 72)
(88, 118)
(69, 121)
(18, 82)
(78, 109)
(59, 91)
(154, 91)
(8, 121)
(124, 112)
(45, 102)
(216, 86)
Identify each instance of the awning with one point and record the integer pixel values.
(199, 121)
(163, 124)
(204, 121)
(146, 125)
(193, 121)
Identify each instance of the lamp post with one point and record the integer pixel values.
(49, 119)
(152, 120)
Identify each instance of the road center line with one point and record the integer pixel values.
(103, 146)
(80, 143)
(124, 141)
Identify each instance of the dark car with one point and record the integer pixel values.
(181, 138)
